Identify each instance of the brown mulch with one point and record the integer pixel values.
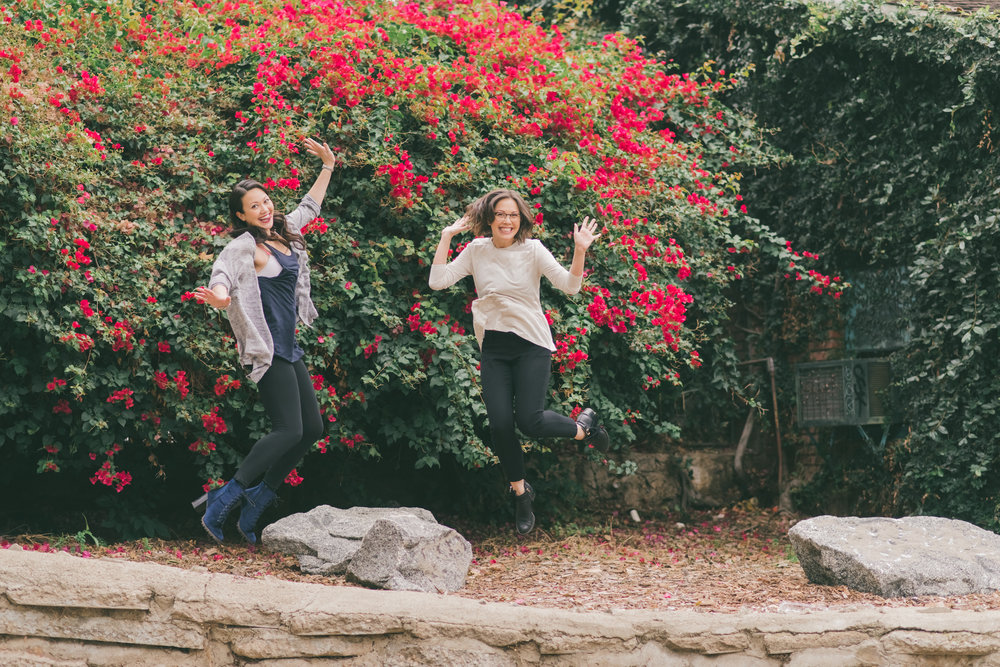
(723, 561)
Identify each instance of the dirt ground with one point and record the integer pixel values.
(722, 561)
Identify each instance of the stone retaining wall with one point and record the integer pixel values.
(62, 610)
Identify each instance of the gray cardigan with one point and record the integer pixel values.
(234, 269)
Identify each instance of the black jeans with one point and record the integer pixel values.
(286, 390)
(515, 377)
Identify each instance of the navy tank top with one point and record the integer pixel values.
(277, 295)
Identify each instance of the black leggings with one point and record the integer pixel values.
(515, 377)
(286, 390)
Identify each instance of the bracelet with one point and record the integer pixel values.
(328, 167)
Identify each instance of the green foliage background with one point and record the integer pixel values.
(123, 126)
(888, 113)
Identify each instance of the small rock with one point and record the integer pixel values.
(326, 538)
(406, 553)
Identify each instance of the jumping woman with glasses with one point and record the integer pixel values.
(514, 337)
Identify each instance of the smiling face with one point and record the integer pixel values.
(506, 222)
(258, 210)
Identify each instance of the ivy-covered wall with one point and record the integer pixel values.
(888, 118)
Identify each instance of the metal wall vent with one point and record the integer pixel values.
(845, 392)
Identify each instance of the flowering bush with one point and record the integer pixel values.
(122, 128)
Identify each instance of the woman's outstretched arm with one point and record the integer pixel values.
(217, 297)
(324, 153)
(447, 234)
(444, 274)
(583, 237)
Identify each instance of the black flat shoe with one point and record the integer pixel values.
(524, 518)
(595, 435)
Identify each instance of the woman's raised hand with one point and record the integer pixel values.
(322, 151)
(583, 233)
(205, 295)
(457, 227)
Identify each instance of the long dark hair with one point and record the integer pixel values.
(482, 212)
(279, 229)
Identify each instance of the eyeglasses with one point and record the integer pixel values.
(507, 216)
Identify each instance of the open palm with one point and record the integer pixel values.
(584, 234)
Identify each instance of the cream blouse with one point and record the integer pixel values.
(507, 284)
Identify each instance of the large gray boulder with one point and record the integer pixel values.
(401, 548)
(918, 555)
(326, 538)
(406, 553)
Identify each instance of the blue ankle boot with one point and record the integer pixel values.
(257, 500)
(221, 501)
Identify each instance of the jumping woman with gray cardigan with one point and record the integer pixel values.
(261, 279)
(514, 337)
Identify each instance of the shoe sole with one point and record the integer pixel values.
(246, 537)
(210, 533)
(605, 438)
(591, 434)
